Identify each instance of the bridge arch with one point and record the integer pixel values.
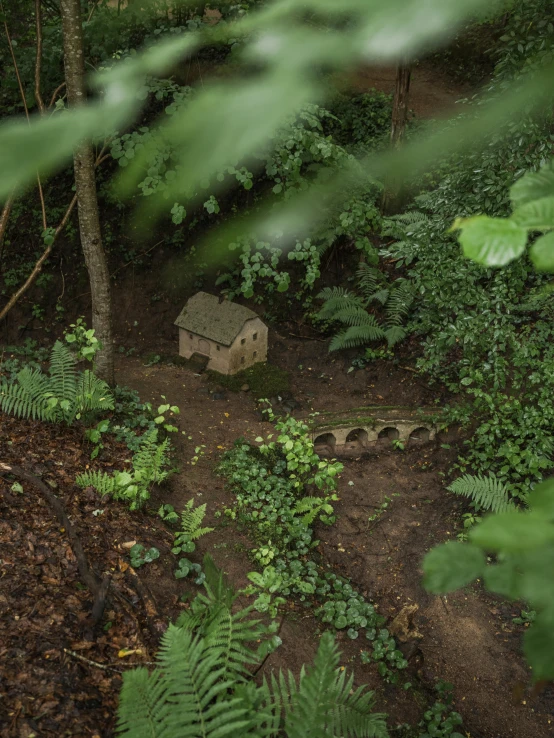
(326, 439)
(357, 436)
(420, 435)
(388, 433)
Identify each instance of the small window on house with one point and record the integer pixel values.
(217, 347)
(254, 354)
(242, 359)
(242, 341)
(255, 337)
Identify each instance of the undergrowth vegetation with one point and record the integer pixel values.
(202, 684)
(282, 488)
(463, 275)
(487, 332)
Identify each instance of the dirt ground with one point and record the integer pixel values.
(61, 676)
(467, 638)
(433, 94)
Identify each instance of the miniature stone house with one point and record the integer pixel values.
(231, 335)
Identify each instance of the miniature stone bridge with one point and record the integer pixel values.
(365, 427)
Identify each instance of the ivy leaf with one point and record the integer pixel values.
(541, 498)
(537, 215)
(513, 531)
(542, 253)
(538, 645)
(451, 566)
(533, 186)
(491, 241)
(504, 579)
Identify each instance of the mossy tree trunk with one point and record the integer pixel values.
(392, 194)
(85, 186)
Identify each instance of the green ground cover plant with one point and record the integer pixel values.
(272, 483)
(202, 685)
(133, 486)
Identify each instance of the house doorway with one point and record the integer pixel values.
(204, 347)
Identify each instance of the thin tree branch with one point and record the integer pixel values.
(22, 91)
(38, 21)
(38, 266)
(55, 94)
(92, 11)
(103, 159)
(10, 46)
(4, 218)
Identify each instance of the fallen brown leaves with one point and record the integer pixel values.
(45, 609)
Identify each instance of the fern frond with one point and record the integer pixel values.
(186, 697)
(199, 690)
(27, 397)
(412, 216)
(399, 302)
(381, 296)
(394, 335)
(328, 293)
(355, 316)
(229, 635)
(141, 704)
(353, 715)
(337, 299)
(323, 703)
(227, 632)
(63, 383)
(356, 335)
(368, 278)
(487, 493)
(60, 395)
(191, 520)
(93, 394)
(103, 483)
(150, 459)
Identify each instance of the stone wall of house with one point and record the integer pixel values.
(191, 343)
(249, 347)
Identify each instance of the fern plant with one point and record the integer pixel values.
(351, 309)
(202, 686)
(486, 493)
(191, 528)
(133, 486)
(62, 395)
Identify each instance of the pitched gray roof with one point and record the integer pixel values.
(219, 321)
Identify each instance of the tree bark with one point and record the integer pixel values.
(85, 187)
(392, 194)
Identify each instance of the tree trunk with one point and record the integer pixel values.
(392, 194)
(85, 186)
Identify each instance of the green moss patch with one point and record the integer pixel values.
(264, 380)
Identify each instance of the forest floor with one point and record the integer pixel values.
(433, 94)
(61, 676)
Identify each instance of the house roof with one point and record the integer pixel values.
(219, 321)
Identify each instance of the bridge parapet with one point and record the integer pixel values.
(367, 426)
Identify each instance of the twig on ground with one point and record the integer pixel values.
(105, 667)
(98, 589)
(156, 626)
(96, 664)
